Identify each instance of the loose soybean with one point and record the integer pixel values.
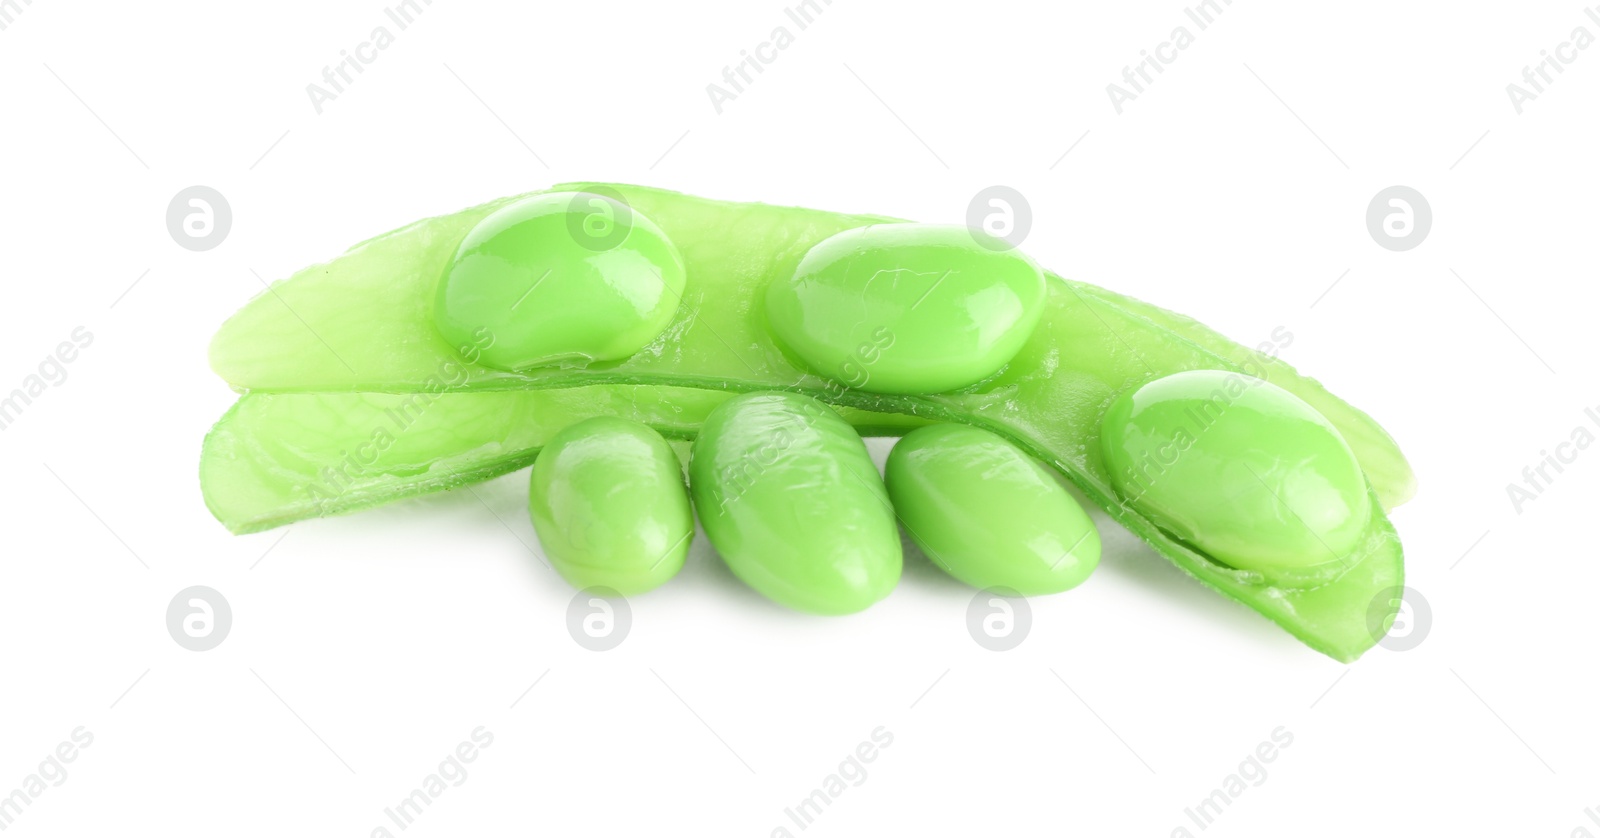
(789, 497)
(987, 513)
(609, 505)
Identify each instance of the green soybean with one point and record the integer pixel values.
(361, 323)
(987, 513)
(609, 505)
(907, 308)
(563, 278)
(1240, 468)
(789, 497)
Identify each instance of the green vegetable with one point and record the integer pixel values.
(1241, 469)
(608, 502)
(1381, 461)
(362, 322)
(906, 308)
(564, 277)
(988, 514)
(279, 458)
(794, 505)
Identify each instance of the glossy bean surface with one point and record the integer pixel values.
(987, 513)
(562, 278)
(907, 308)
(609, 505)
(789, 497)
(1238, 467)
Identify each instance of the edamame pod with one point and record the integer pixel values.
(278, 458)
(608, 502)
(987, 513)
(361, 323)
(789, 497)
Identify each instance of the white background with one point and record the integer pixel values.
(390, 635)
